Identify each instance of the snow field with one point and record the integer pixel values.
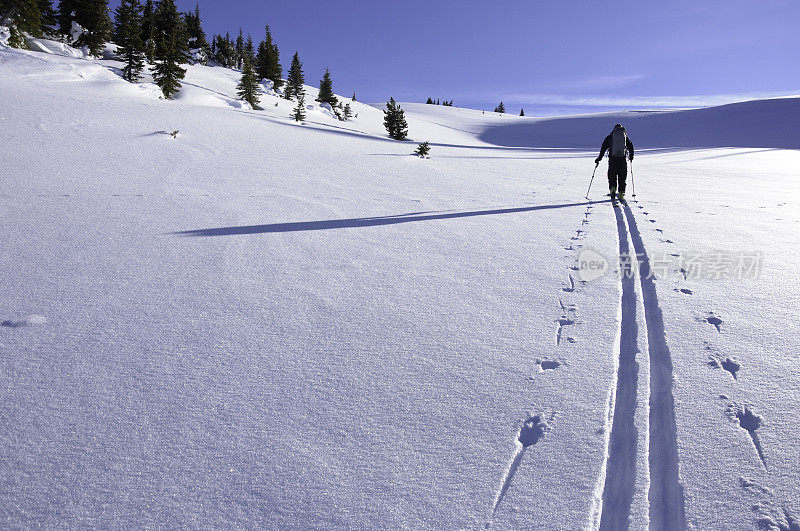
(259, 323)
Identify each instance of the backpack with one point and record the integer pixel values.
(619, 142)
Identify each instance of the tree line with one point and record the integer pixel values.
(445, 103)
(155, 32)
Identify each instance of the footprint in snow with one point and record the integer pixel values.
(30, 320)
(715, 321)
(533, 429)
(748, 421)
(685, 291)
(726, 364)
(770, 514)
(718, 361)
(548, 365)
(571, 287)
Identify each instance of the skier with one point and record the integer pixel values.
(618, 145)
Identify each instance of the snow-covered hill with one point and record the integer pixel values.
(264, 324)
(753, 124)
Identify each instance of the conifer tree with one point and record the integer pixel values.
(522, 112)
(423, 150)
(93, 17)
(395, 121)
(227, 52)
(249, 50)
(149, 30)
(500, 108)
(429, 102)
(194, 30)
(299, 113)
(247, 89)
(268, 64)
(128, 33)
(348, 112)
(354, 97)
(22, 16)
(67, 10)
(170, 49)
(239, 49)
(326, 94)
(49, 20)
(295, 79)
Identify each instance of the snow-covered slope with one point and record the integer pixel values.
(265, 324)
(753, 124)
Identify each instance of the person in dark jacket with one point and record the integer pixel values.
(619, 146)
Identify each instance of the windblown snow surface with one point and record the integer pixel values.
(263, 324)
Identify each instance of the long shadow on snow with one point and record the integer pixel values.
(354, 223)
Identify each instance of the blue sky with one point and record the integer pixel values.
(548, 56)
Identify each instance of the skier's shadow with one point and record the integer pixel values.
(352, 223)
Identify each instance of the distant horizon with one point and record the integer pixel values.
(545, 110)
(549, 59)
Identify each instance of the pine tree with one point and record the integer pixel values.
(429, 102)
(423, 150)
(196, 37)
(395, 121)
(22, 16)
(128, 31)
(247, 89)
(275, 69)
(239, 49)
(326, 94)
(295, 79)
(500, 108)
(67, 10)
(93, 17)
(226, 52)
(194, 30)
(348, 112)
(49, 20)
(249, 50)
(149, 30)
(267, 61)
(170, 49)
(354, 97)
(522, 112)
(299, 113)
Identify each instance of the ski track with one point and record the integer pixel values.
(620, 465)
(666, 493)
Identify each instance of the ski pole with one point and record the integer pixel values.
(590, 182)
(633, 181)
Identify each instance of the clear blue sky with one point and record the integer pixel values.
(548, 56)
